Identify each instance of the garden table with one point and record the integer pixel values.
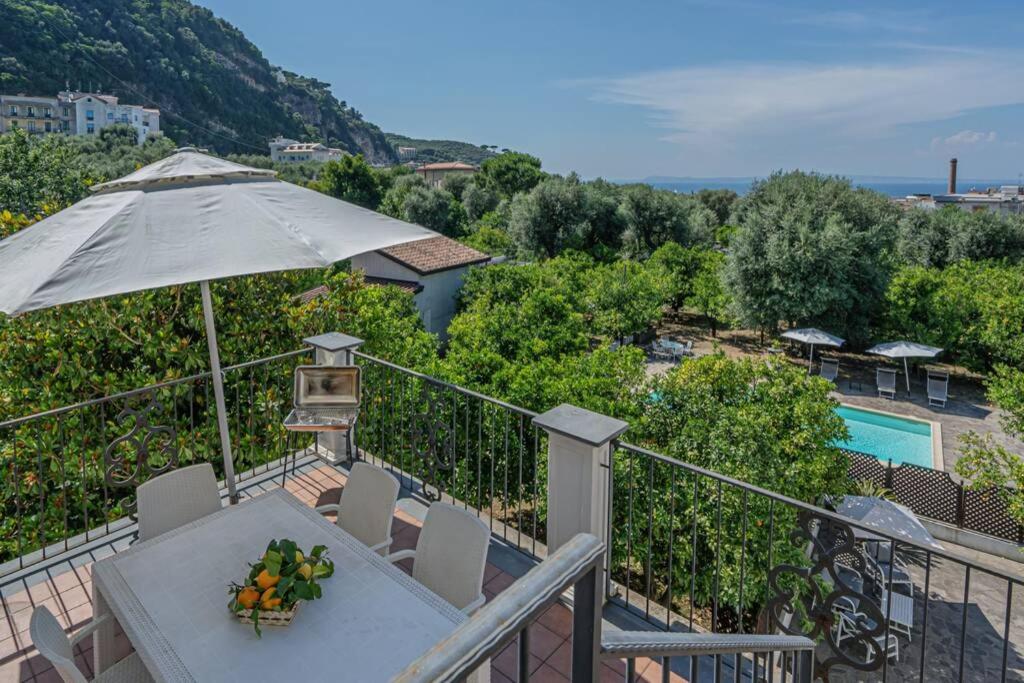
(170, 595)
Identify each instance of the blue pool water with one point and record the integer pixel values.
(888, 436)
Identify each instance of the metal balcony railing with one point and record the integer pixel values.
(69, 474)
(691, 548)
(689, 551)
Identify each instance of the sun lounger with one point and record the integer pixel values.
(830, 369)
(938, 389)
(885, 378)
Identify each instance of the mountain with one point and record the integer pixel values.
(430, 151)
(214, 88)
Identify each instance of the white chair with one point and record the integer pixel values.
(450, 556)
(885, 378)
(52, 643)
(852, 624)
(367, 506)
(938, 389)
(176, 498)
(830, 369)
(880, 574)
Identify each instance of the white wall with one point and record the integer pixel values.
(436, 302)
(376, 265)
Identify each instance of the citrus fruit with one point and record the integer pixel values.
(264, 580)
(248, 596)
(267, 600)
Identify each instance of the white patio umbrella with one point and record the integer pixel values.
(888, 517)
(188, 218)
(814, 337)
(904, 350)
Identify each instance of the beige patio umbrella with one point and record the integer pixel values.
(187, 218)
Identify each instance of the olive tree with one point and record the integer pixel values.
(811, 249)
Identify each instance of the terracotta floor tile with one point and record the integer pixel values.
(610, 675)
(561, 659)
(498, 677)
(507, 661)
(490, 571)
(543, 642)
(546, 674)
(617, 665)
(558, 619)
(501, 582)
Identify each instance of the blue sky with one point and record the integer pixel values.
(699, 88)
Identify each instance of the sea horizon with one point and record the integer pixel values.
(894, 186)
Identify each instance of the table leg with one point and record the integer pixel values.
(103, 637)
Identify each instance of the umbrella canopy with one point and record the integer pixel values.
(888, 517)
(814, 337)
(187, 218)
(904, 350)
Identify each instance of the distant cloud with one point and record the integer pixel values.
(965, 137)
(727, 103)
(903, 21)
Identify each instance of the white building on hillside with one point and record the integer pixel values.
(74, 113)
(435, 174)
(93, 112)
(288, 151)
(432, 269)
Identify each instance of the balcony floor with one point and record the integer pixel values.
(65, 587)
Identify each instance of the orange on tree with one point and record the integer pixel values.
(264, 580)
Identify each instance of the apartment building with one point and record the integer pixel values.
(74, 113)
(286, 150)
(36, 114)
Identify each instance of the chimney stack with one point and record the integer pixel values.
(952, 176)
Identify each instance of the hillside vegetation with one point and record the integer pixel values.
(430, 151)
(213, 86)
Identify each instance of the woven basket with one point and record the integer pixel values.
(270, 618)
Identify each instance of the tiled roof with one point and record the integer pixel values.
(314, 293)
(408, 285)
(447, 166)
(434, 254)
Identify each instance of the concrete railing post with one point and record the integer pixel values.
(334, 348)
(579, 467)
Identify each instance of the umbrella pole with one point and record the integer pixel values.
(218, 392)
(810, 360)
(906, 373)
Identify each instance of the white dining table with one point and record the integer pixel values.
(170, 595)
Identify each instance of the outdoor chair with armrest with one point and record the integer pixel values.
(885, 378)
(176, 498)
(367, 506)
(450, 556)
(53, 644)
(850, 625)
(879, 572)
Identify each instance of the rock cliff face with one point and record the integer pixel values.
(215, 88)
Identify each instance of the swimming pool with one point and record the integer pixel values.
(888, 436)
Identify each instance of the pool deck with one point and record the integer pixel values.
(958, 417)
(966, 410)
